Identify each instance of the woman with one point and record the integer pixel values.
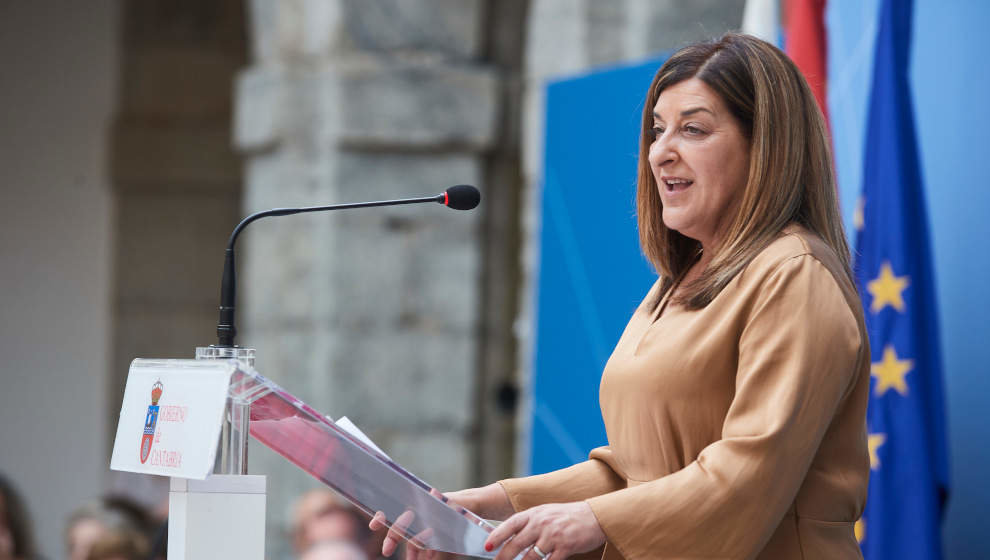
(735, 401)
(119, 544)
(121, 525)
(16, 531)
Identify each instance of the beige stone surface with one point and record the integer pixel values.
(178, 81)
(171, 248)
(176, 154)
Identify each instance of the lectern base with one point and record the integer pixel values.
(220, 518)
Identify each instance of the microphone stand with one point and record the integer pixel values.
(228, 291)
(232, 451)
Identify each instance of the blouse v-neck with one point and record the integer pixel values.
(661, 308)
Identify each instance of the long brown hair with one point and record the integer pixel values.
(790, 163)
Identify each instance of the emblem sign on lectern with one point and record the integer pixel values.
(176, 433)
(150, 420)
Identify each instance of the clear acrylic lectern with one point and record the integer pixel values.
(367, 478)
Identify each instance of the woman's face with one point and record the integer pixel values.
(82, 536)
(700, 160)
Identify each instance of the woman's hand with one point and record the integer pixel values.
(558, 529)
(489, 502)
(394, 537)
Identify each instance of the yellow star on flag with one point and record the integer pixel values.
(890, 372)
(874, 441)
(887, 289)
(860, 529)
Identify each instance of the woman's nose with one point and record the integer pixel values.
(662, 152)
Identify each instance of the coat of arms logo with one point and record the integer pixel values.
(150, 421)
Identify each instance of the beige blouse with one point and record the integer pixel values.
(737, 430)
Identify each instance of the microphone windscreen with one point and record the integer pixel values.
(462, 197)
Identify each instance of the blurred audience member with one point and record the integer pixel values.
(321, 515)
(119, 544)
(148, 491)
(158, 538)
(16, 536)
(109, 518)
(334, 550)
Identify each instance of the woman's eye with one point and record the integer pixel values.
(693, 130)
(657, 132)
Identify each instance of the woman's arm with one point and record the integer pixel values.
(593, 477)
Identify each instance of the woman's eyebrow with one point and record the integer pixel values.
(694, 110)
(687, 112)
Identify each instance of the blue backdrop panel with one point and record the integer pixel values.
(591, 272)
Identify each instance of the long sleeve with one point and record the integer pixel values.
(572, 484)
(800, 354)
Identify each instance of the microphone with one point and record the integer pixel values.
(462, 197)
(458, 197)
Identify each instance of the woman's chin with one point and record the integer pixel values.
(675, 219)
(684, 228)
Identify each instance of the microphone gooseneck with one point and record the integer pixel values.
(459, 197)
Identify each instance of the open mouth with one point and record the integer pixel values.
(677, 184)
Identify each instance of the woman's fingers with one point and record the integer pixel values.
(531, 553)
(502, 533)
(396, 532)
(413, 552)
(438, 495)
(377, 521)
(422, 539)
(520, 544)
(558, 529)
(417, 547)
(514, 536)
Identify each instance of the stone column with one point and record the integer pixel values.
(373, 314)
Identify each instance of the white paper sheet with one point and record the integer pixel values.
(345, 424)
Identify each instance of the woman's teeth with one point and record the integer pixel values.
(678, 184)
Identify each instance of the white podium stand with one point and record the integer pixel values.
(217, 518)
(222, 517)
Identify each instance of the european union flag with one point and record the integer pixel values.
(909, 479)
